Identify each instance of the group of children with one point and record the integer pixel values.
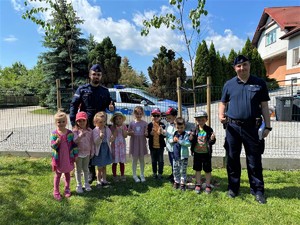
(102, 146)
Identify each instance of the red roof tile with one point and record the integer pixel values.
(287, 18)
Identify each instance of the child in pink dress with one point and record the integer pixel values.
(64, 153)
(118, 146)
(83, 137)
(137, 131)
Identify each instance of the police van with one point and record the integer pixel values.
(126, 99)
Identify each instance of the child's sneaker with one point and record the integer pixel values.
(105, 183)
(136, 179)
(57, 196)
(67, 193)
(116, 179)
(198, 188)
(176, 185)
(123, 178)
(87, 187)
(154, 176)
(208, 189)
(143, 178)
(159, 177)
(79, 189)
(182, 187)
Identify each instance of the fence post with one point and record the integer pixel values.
(179, 96)
(58, 95)
(208, 99)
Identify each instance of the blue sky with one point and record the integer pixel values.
(228, 24)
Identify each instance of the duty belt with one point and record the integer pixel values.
(242, 122)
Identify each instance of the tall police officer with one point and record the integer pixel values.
(91, 98)
(246, 99)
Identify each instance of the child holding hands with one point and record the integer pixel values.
(202, 139)
(83, 137)
(118, 146)
(64, 153)
(102, 137)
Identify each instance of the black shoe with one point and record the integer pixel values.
(182, 187)
(260, 198)
(231, 194)
(176, 185)
(171, 178)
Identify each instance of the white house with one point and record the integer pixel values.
(277, 39)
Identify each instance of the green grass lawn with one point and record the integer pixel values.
(27, 185)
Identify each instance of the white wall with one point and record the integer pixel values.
(293, 43)
(275, 48)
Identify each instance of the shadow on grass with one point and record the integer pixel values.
(25, 166)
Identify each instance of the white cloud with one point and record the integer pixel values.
(125, 34)
(224, 43)
(10, 38)
(17, 4)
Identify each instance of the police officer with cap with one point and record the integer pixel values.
(91, 98)
(245, 97)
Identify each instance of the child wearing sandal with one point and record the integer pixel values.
(102, 137)
(202, 138)
(83, 137)
(64, 153)
(118, 146)
(180, 154)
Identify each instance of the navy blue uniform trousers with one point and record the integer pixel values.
(236, 135)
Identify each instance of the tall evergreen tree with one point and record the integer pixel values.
(247, 49)
(66, 58)
(105, 53)
(232, 55)
(202, 64)
(164, 72)
(130, 77)
(216, 66)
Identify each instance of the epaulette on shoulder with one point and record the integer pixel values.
(103, 86)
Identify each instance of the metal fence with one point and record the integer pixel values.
(30, 132)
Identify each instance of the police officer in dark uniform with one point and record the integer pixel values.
(91, 98)
(244, 101)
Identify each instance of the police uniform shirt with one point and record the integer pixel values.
(91, 100)
(244, 98)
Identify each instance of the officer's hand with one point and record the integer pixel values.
(111, 106)
(213, 136)
(266, 133)
(222, 120)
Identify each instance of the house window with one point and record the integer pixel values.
(296, 58)
(271, 37)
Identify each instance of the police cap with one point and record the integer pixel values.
(240, 59)
(97, 68)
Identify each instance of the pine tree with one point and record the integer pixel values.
(164, 72)
(216, 66)
(130, 77)
(202, 64)
(66, 56)
(105, 53)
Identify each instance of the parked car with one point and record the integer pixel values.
(126, 99)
